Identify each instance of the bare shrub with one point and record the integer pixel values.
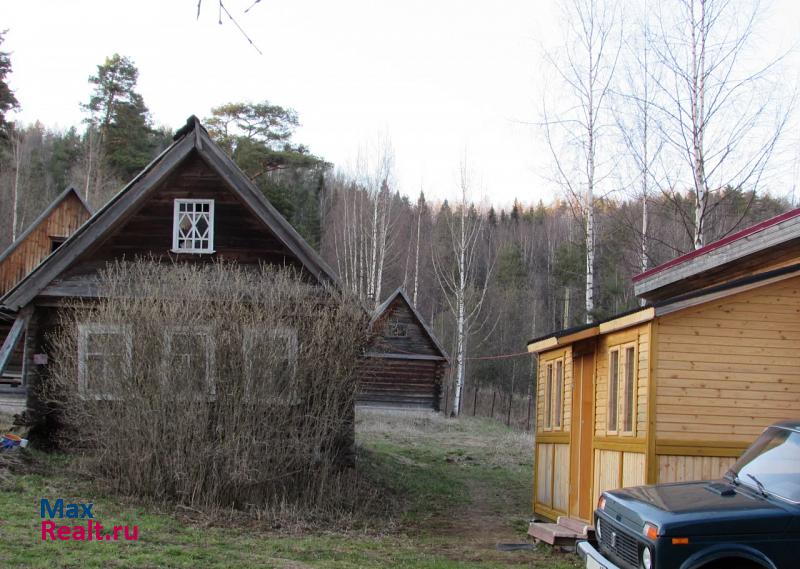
(214, 386)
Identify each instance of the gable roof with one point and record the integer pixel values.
(401, 293)
(70, 191)
(732, 255)
(192, 137)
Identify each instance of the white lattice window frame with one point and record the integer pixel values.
(208, 341)
(177, 216)
(84, 331)
(285, 332)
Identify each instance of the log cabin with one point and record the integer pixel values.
(677, 389)
(190, 204)
(43, 236)
(404, 366)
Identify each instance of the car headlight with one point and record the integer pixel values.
(647, 561)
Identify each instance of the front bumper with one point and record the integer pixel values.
(593, 558)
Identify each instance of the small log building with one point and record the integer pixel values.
(404, 367)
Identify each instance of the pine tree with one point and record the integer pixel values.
(7, 99)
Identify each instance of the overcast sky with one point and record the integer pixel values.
(440, 78)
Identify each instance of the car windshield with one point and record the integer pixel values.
(772, 464)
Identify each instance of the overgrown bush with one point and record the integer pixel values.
(214, 386)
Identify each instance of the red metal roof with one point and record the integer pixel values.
(717, 244)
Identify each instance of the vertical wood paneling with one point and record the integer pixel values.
(606, 471)
(544, 474)
(561, 477)
(687, 468)
(633, 469)
(63, 221)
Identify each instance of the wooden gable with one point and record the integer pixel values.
(60, 220)
(400, 330)
(147, 232)
(138, 222)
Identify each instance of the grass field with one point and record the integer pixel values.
(460, 487)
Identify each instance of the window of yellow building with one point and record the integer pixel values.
(622, 390)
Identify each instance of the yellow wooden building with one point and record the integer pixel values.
(677, 389)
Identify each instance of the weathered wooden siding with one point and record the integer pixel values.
(238, 234)
(552, 488)
(685, 468)
(388, 382)
(416, 342)
(641, 336)
(62, 222)
(401, 371)
(729, 368)
(545, 357)
(617, 469)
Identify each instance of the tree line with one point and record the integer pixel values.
(661, 137)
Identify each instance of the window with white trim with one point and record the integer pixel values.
(189, 356)
(104, 356)
(622, 389)
(554, 395)
(270, 355)
(193, 226)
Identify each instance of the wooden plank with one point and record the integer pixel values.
(13, 338)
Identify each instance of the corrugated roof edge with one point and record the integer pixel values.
(717, 244)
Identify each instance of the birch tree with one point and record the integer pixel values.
(457, 272)
(636, 119)
(364, 228)
(574, 130)
(721, 114)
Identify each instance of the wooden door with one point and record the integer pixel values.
(582, 429)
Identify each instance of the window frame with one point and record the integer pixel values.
(176, 226)
(290, 335)
(618, 403)
(85, 329)
(395, 325)
(210, 363)
(554, 394)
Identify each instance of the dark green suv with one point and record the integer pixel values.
(748, 520)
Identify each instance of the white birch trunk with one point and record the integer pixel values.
(17, 141)
(416, 258)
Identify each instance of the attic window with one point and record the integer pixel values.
(193, 226)
(55, 242)
(397, 329)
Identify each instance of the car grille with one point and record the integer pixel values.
(618, 543)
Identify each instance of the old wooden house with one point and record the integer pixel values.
(190, 204)
(405, 363)
(43, 236)
(677, 389)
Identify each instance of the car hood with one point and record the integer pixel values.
(697, 508)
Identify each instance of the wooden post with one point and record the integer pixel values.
(528, 418)
(508, 412)
(475, 401)
(494, 395)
